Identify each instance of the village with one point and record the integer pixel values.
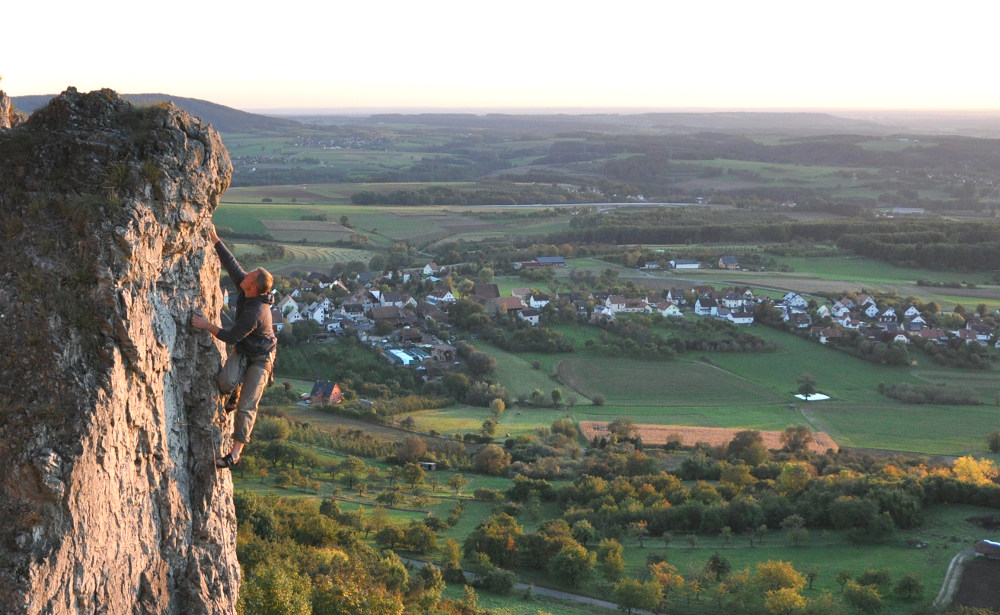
(413, 331)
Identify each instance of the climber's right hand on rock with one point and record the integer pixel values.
(198, 321)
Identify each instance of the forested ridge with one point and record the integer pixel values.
(929, 243)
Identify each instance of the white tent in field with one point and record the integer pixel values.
(813, 397)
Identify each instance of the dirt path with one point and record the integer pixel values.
(953, 577)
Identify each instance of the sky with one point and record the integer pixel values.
(518, 54)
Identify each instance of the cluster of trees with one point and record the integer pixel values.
(358, 370)
(758, 489)
(577, 554)
(636, 336)
(962, 248)
(298, 560)
(914, 394)
(957, 353)
(937, 245)
(509, 334)
(499, 194)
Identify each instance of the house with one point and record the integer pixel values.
(738, 317)
(277, 320)
(430, 269)
(870, 309)
(398, 299)
(427, 466)
(840, 308)
(848, 321)
(825, 334)
(411, 335)
(684, 264)
(361, 301)
(538, 300)
(634, 306)
(315, 312)
(795, 300)
(676, 295)
(706, 306)
(397, 317)
(664, 308)
(520, 292)
(529, 316)
(509, 305)
(286, 305)
(432, 312)
(933, 335)
(969, 336)
(484, 291)
(911, 312)
(615, 303)
(729, 262)
(887, 316)
(601, 314)
(983, 331)
(799, 320)
(734, 300)
(326, 393)
(440, 295)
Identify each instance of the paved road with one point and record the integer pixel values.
(544, 591)
(953, 577)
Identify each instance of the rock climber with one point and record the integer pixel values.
(249, 368)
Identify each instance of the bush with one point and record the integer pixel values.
(993, 440)
(453, 573)
(497, 581)
(486, 495)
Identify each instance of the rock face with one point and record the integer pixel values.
(108, 409)
(8, 116)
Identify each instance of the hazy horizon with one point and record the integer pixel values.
(554, 55)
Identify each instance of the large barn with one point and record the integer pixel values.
(988, 548)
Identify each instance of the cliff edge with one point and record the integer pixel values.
(108, 407)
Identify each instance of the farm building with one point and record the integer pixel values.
(729, 262)
(988, 548)
(326, 393)
(684, 264)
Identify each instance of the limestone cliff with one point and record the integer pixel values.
(9, 117)
(108, 408)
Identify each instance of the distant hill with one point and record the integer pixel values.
(730, 122)
(222, 118)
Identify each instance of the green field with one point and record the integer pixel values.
(750, 390)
